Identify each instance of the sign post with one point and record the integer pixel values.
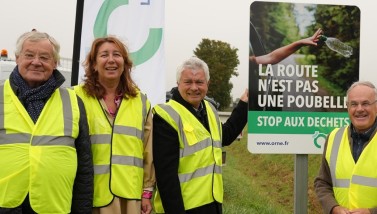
(296, 96)
(301, 184)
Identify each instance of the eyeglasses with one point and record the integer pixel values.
(45, 58)
(364, 104)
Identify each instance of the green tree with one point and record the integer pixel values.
(275, 22)
(222, 61)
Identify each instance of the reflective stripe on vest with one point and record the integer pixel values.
(333, 159)
(355, 185)
(32, 154)
(118, 150)
(207, 175)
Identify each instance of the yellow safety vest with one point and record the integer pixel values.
(117, 149)
(200, 161)
(354, 185)
(39, 159)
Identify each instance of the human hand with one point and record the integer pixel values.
(313, 39)
(340, 210)
(146, 206)
(360, 211)
(245, 96)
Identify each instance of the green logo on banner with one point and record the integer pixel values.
(149, 48)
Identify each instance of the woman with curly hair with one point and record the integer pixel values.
(120, 125)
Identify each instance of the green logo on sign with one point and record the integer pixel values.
(317, 135)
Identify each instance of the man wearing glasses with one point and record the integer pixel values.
(347, 180)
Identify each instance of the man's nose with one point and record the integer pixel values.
(36, 60)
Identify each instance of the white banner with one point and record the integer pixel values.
(140, 25)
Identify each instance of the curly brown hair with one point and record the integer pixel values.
(92, 86)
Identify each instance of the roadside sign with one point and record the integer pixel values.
(297, 100)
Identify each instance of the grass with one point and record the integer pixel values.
(264, 183)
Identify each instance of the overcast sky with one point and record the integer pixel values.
(187, 23)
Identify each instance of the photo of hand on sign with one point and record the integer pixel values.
(283, 52)
(302, 62)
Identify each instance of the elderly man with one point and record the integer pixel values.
(347, 180)
(45, 157)
(187, 141)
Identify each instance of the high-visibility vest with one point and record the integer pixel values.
(39, 159)
(200, 158)
(117, 149)
(354, 185)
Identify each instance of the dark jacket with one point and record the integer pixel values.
(166, 154)
(82, 200)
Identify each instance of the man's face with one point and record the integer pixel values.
(193, 86)
(362, 107)
(36, 62)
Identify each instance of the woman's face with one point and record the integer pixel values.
(109, 62)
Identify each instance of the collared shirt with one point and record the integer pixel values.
(201, 114)
(359, 139)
